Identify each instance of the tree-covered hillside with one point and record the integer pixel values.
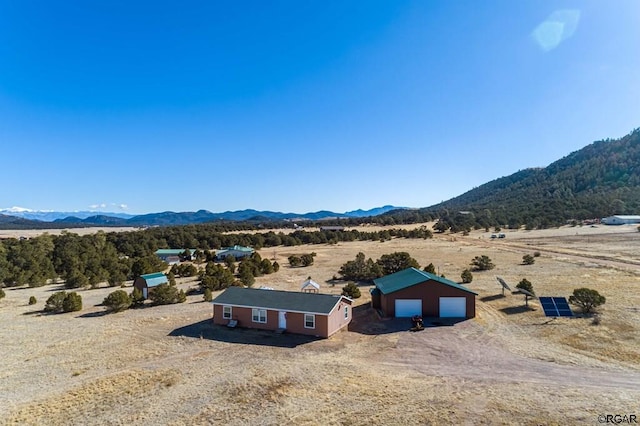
(599, 180)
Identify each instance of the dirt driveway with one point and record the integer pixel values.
(471, 353)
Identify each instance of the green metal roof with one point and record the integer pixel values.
(172, 252)
(238, 248)
(155, 279)
(410, 277)
(291, 301)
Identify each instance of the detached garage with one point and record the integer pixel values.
(413, 292)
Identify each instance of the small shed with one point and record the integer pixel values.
(149, 281)
(310, 286)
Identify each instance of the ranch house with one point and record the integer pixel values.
(312, 314)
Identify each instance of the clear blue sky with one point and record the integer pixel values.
(299, 106)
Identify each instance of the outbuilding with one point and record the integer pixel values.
(173, 256)
(413, 292)
(310, 286)
(621, 219)
(238, 252)
(302, 313)
(147, 282)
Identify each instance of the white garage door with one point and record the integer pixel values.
(408, 307)
(453, 307)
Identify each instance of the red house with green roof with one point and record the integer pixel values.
(413, 292)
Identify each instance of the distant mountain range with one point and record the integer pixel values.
(50, 215)
(20, 218)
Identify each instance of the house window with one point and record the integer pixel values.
(226, 312)
(346, 312)
(309, 321)
(259, 315)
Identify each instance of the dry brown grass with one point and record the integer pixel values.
(506, 366)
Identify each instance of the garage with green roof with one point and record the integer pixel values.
(414, 292)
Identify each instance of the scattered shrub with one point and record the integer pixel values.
(2, 293)
(351, 290)
(397, 261)
(55, 301)
(72, 303)
(191, 291)
(466, 276)
(117, 301)
(527, 259)
(167, 294)
(302, 260)
(360, 269)
(526, 285)
(137, 298)
(208, 295)
(536, 254)
(247, 278)
(430, 268)
(587, 299)
(294, 261)
(62, 301)
(307, 259)
(482, 263)
(32, 300)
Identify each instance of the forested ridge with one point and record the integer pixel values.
(599, 180)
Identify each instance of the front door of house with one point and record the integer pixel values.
(282, 320)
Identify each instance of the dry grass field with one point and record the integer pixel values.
(509, 365)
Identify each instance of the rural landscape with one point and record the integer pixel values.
(170, 365)
(319, 213)
(81, 345)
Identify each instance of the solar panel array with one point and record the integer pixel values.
(555, 307)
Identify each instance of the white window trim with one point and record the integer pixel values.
(313, 319)
(346, 312)
(226, 315)
(256, 313)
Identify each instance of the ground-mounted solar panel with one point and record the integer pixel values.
(555, 307)
(527, 292)
(503, 283)
(563, 307)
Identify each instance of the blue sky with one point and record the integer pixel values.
(301, 105)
